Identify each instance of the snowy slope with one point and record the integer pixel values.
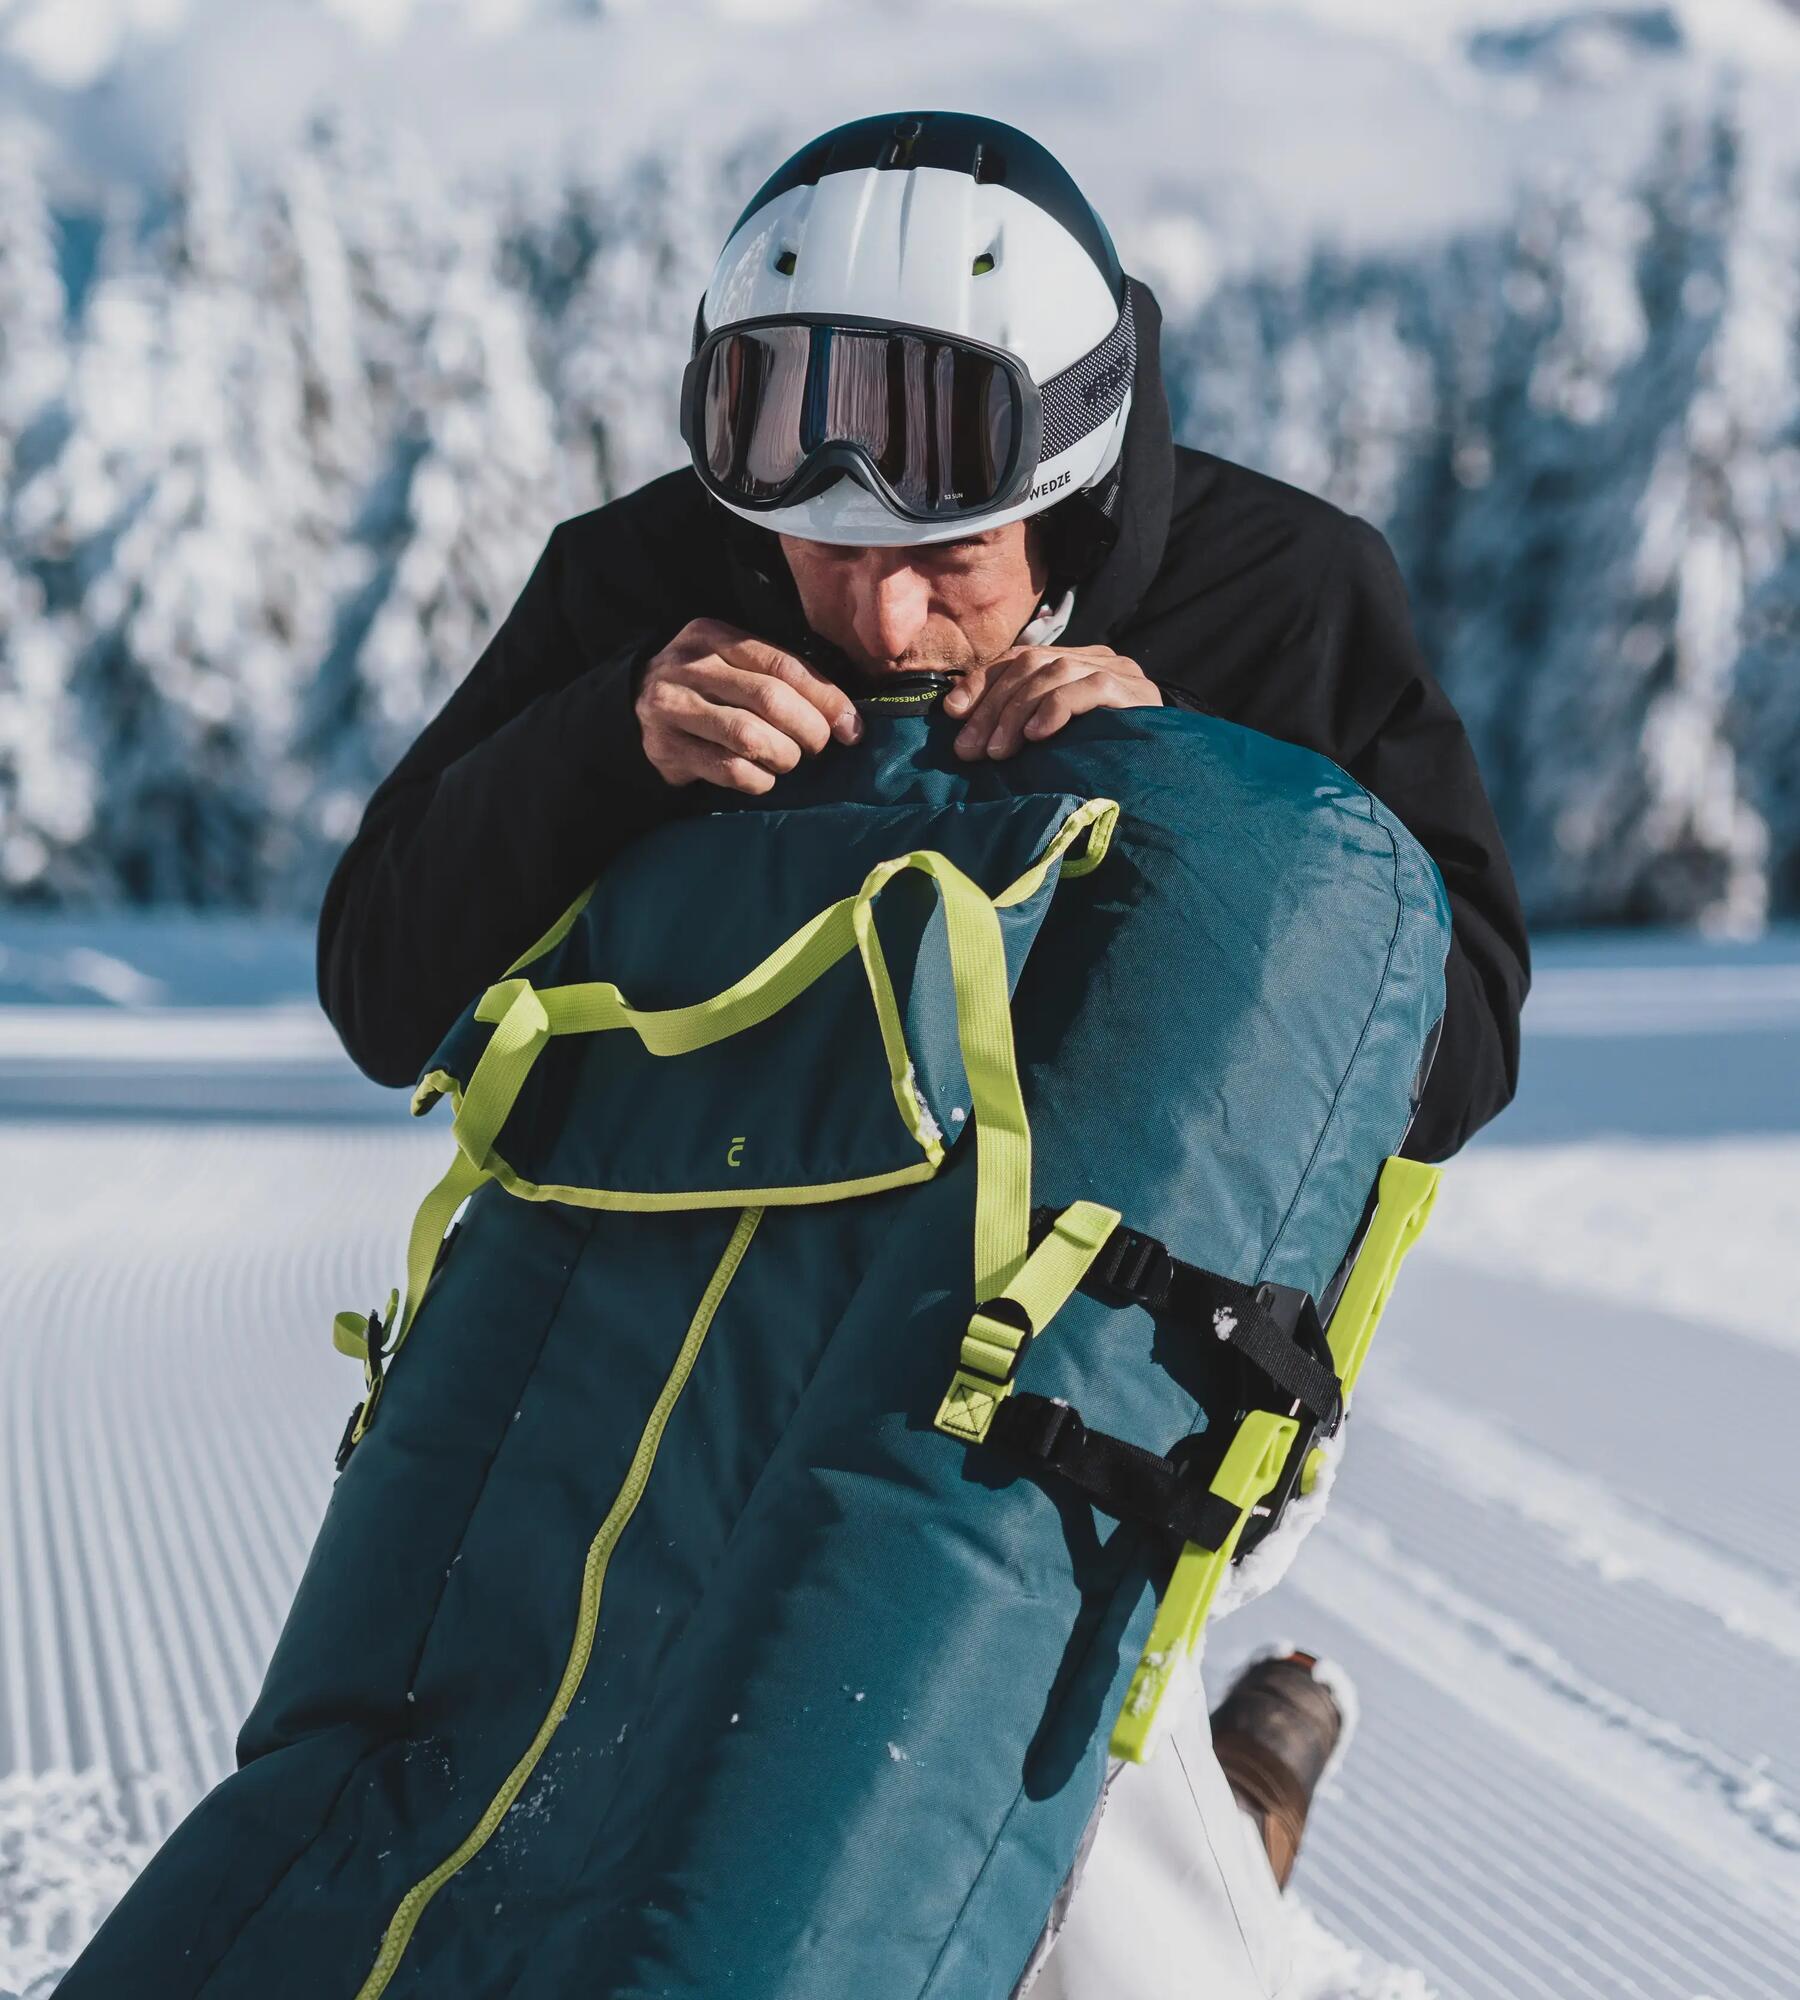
(1562, 1559)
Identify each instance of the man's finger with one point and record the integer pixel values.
(736, 774)
(994, 730)
(1073, 698)
(757, 656)
(1033, 697)
(993, 685)
(779, 704)
(1002, 680)
(967, 691)
(739, 732)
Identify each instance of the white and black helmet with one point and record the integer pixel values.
(918, 329)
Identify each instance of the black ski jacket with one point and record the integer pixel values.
(1236, 593)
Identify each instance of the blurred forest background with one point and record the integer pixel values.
(283, 428)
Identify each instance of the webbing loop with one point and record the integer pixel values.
(1004, 1325)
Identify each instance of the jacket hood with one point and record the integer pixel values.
(1107, 542)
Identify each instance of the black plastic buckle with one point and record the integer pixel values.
(347, 1443)
(1009, 1312)
(1297, 1314)
(1294, 1312)
(377, 1335)
(1132, 1269)
(1169, 1494)
(1035, 1428)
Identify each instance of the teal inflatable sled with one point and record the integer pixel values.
(900, 1216)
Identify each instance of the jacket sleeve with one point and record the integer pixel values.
(511, 801)
(1406, 744)
(1347, 677)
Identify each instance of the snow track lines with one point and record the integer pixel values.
(169, 1406)
(1579, 1767)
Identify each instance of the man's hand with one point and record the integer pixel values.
(1029, 694)
(718, 705)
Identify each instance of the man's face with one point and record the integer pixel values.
(945, 607)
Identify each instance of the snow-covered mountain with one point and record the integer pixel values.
(286, 413)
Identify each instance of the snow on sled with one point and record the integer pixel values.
(903, 1211)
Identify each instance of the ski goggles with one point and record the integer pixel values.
(941, 427)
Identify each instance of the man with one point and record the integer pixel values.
(929, 433)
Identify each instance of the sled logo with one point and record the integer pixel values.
(1050, 485)
(734, 1154)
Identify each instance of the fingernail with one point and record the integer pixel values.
(955, 701)
(1035, 727)
(965, 740)
(848, 727)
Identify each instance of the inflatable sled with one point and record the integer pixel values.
(921, 1227)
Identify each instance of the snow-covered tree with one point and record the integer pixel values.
(1538, 482)
(460, 500)
(628, 329)
(182, 502)
(1629, 770)
(46, 775)
(33, 338)
(47, 778)
(268, 488)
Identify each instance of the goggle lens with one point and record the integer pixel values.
(940, 422)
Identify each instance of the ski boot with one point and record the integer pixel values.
(1282, 1725)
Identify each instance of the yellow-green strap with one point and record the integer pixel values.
(984, 1032)
(1254, 1462)
(556, 933)
(597, 1006)
(1040, 1288)
(1097, 819)
(428, 1228)
(493, 1089)
(480, 1112)
(350, 1335)
(429, 1225)
(1251, 1466)
(525, 1016)
(1403, 1202)
(350, 1331)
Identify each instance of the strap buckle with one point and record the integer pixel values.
(366, 1339)
(999, 1337)
(348, 1442)
(1168, 1493)
(1132, 1269)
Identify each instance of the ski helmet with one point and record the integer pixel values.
(918, 329)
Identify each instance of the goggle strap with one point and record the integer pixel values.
(1079, 400)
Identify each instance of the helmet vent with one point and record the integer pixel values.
(983, 264)
(990, 163)
(906, 136)
(785, 262)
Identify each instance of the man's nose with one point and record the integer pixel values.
(893, 602)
